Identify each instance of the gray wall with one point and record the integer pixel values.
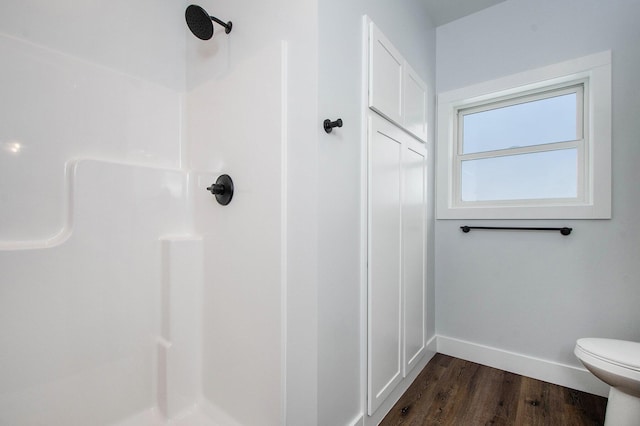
(406, 24)
(536, 293)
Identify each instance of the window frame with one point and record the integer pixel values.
(593, 201)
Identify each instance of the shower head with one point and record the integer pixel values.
(200, 23)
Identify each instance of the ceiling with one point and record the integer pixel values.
(443, 11)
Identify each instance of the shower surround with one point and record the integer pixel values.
(128, 295)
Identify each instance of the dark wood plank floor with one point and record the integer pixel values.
(451, 391)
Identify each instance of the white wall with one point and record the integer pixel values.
(406, 24)
(536, 293)
(237, 125)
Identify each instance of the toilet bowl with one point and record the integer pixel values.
(617, 363)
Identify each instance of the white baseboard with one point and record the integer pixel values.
(548, 371)
(432, 344)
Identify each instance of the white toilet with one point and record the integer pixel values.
(617, 363)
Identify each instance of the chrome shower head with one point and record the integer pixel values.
(200, 23)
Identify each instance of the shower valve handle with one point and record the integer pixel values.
(216, 189)
(222, 189)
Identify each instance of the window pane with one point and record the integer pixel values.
(531, 123)
(549, 174)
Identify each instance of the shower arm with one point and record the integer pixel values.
(227, 25)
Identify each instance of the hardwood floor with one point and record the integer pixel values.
(451, 391)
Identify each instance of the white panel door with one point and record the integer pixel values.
(414, 230)
(384, 257)
(415, 104)
(385, 76)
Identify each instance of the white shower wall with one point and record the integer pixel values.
(57, 107)
(90, 151)
(250, 109)
(77, 323)
(128, 295)
(243, 242)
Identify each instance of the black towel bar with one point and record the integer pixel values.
(563, 231)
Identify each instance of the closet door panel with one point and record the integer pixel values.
(415, 104)
(385, 76)
(414, 211)
(384, 281)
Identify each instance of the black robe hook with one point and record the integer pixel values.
(329, 125)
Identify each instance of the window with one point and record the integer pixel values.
(527, 148)
(536, 145)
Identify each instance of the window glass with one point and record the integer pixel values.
(531, 145)
(539, 175)
(536, 122)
